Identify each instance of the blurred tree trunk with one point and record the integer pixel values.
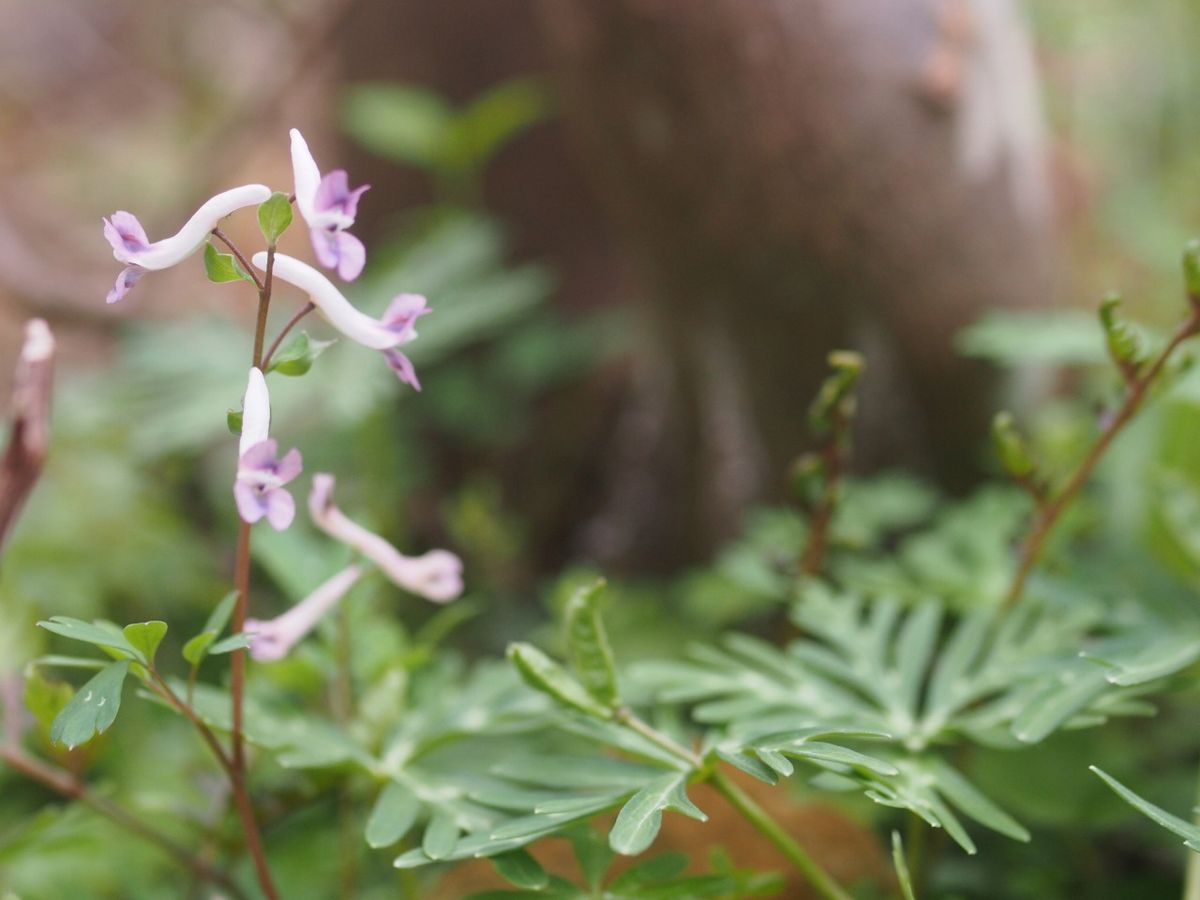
(790, 176)
(797, 175)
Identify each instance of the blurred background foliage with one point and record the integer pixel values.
(134, 518)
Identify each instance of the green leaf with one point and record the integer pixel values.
(394, 814)
(229, 644)
(1186, 830)
(196, 648)
(400, 122)
(274, 217)
(639, 820)
(592, 852)
(441, 835)
(219, 617)
(45, 698)
(93, 708)
(222, 267)
(657, 868)
(296, 357)
(518, 867)
(543, 674)
(145, 638)
(103, 635)
(901, 864)
(199, 646)
(973, 803)
(493, 119)
(587, 641)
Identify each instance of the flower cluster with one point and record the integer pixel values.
(328, 207)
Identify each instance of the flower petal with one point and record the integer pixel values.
(290, 466)
(256, 414)
(129, 276)
(250, 505)
(126, 234)
(402, 314)
(403, 367)
(306, 175)
(281, 508)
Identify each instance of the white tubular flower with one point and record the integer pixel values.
(436, 575)
(388, 334)
(131, 246)
(273, 639)
(328, 206)
(258, 488)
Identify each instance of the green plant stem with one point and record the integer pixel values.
(626, 717)
(1049, 512)
(914, 845)
(822, 881)
(64, 783)
(1191, 881)
(304, 311)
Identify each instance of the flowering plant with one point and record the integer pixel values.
(917, 639)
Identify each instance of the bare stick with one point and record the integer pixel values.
(29, 434)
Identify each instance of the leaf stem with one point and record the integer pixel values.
(1049, 512)
(62, 782)
(237, 254)
(822, 881)
(304, 311)
(625, 716)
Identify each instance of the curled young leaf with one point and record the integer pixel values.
(591, 654)
(543, 674)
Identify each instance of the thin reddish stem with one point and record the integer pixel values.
(237, 254)
(304, 311)
(1050, 511)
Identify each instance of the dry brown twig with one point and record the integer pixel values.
(29, 434)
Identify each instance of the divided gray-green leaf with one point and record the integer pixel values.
(393, 816)
(640, 819)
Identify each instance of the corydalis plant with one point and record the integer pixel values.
(260, 485)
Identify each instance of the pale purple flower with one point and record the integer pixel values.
(273, 639)
(396, 328)
(329, 207)
(261, 475)
(131, 246)
(436, 575)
